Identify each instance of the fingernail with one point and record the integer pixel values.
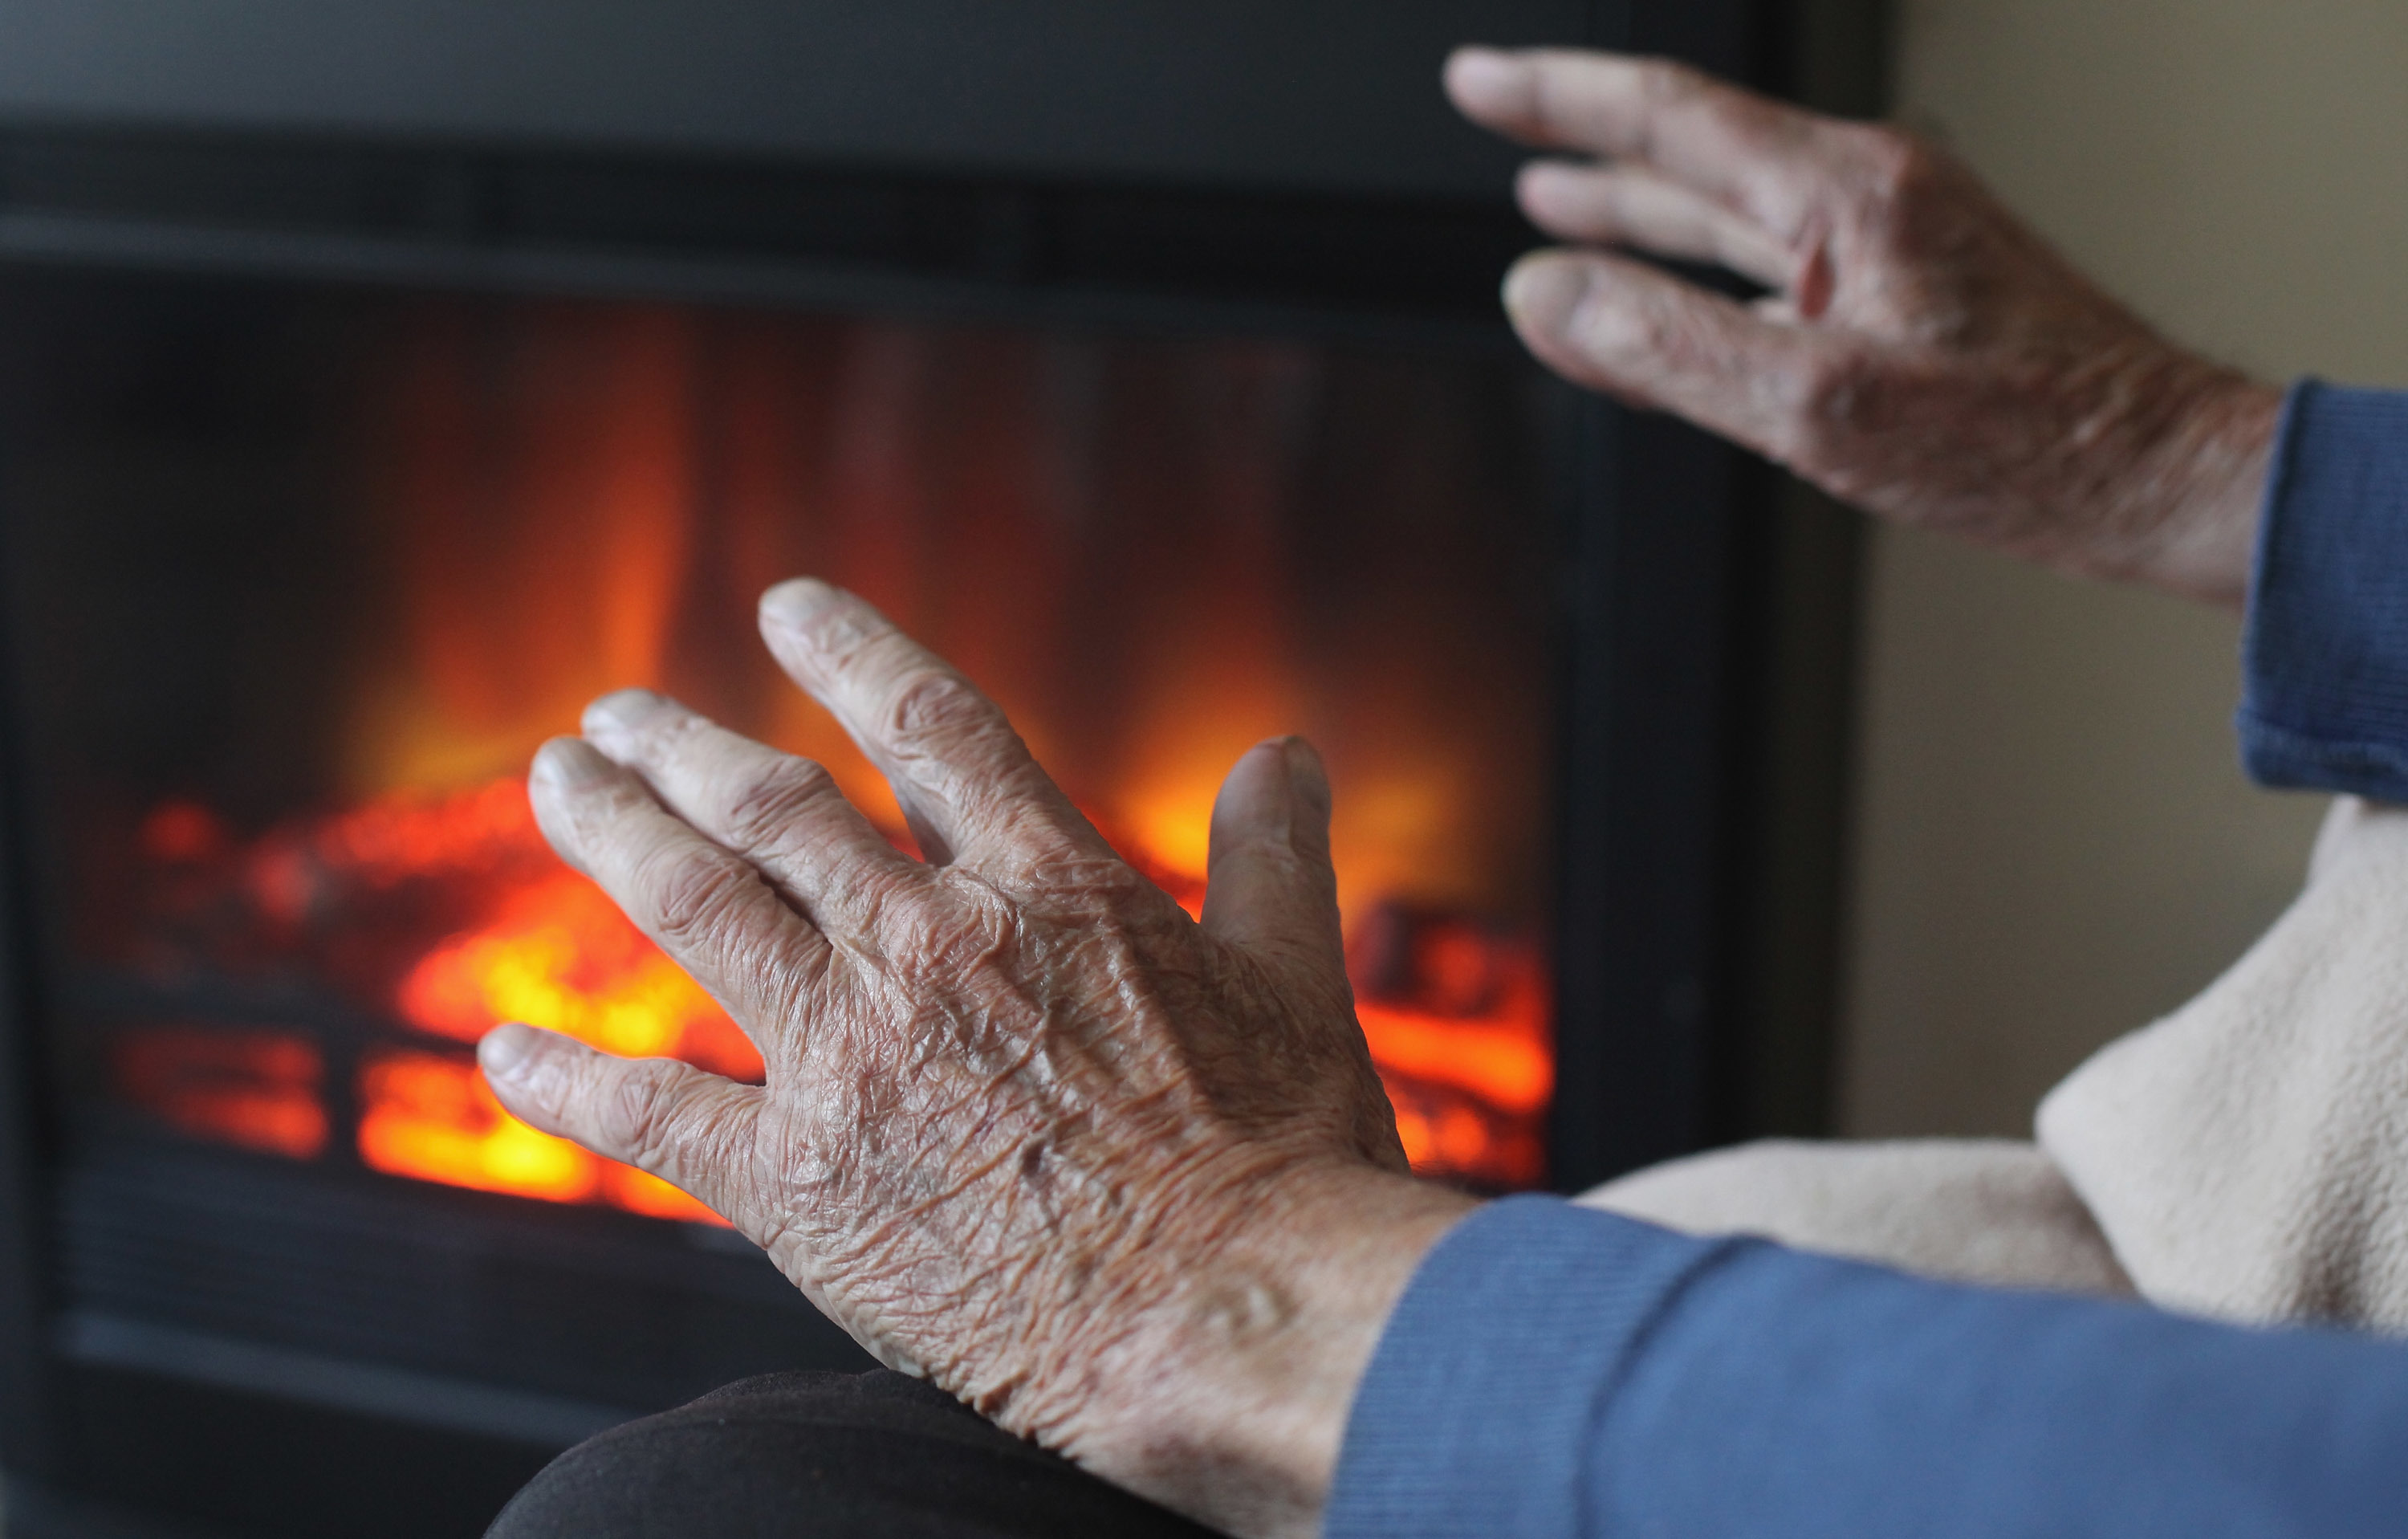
(1543, 291)
(568, 764)
(794, 604)
(1306, 777)
(505, 1052)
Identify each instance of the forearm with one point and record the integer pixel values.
(1558, 1371)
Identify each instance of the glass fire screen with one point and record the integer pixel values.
(298, 579)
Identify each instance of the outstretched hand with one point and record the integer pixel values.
(1124, 1182)
(1919, 352)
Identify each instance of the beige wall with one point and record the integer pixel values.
(2054, 842)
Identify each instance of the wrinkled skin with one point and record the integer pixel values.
(1125, 1182)
(1027, 1128)
(1920, 355)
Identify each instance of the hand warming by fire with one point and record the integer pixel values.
(1073, 1100)
(310, 980)
(1026, 1126)
(459, 917)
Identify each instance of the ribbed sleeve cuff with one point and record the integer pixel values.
(2325, 656)
(1480, 1408)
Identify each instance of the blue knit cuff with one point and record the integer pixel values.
(2324, 658)
(1482, 1407)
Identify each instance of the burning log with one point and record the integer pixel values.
(439, 916)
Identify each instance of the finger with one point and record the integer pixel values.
(1774, 162)
(783, 813)
(1270, 884)
(964, 778)
(1639, 209)
(1624, 327)
(712, 912)
(692, 1129)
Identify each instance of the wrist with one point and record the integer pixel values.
(1229, 1402)
(2197, 483)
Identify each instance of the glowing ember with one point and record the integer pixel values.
(559, 955)
(254, 1089)
(432, 1117)
(542, 945)
(1153, 554)
(1457, 1018)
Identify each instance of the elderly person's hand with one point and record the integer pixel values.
(1920, 354)
(1125, 1182)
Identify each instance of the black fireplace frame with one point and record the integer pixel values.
(1704, 604)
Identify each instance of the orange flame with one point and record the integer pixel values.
(1456, 1020)
(256, 1090)
(559, 955)
(550, 950)
(580, 497)
(434, 1118)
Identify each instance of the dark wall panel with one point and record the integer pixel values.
(1305, 93)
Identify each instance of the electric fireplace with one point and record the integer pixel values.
(348, 444)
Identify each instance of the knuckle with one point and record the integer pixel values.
(767, 803)
(936, 703)
(1641, 334)
(951, 940)
(1075, 879)
(694, 895)
(1664, 83)
(636, 1112)
(866, 653)
(1903, 172)
(880, 900)
(1834, 403)
(1661, 87)
(1829, 392)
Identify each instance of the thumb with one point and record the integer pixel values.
(1270, 887)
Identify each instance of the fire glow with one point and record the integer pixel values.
(571, 559)
(1456, 1020)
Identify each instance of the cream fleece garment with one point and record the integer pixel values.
(1973, 1210)
(2245, 1158)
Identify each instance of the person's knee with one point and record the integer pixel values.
(819, 1456)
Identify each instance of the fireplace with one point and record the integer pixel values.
(274, 764)
(344, 456)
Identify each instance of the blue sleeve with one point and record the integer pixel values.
(2325, 695)
(1553, 1370)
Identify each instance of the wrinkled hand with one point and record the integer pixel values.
(1126, 1183)
(1920, 354)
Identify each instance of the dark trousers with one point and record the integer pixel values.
(819, 1456)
